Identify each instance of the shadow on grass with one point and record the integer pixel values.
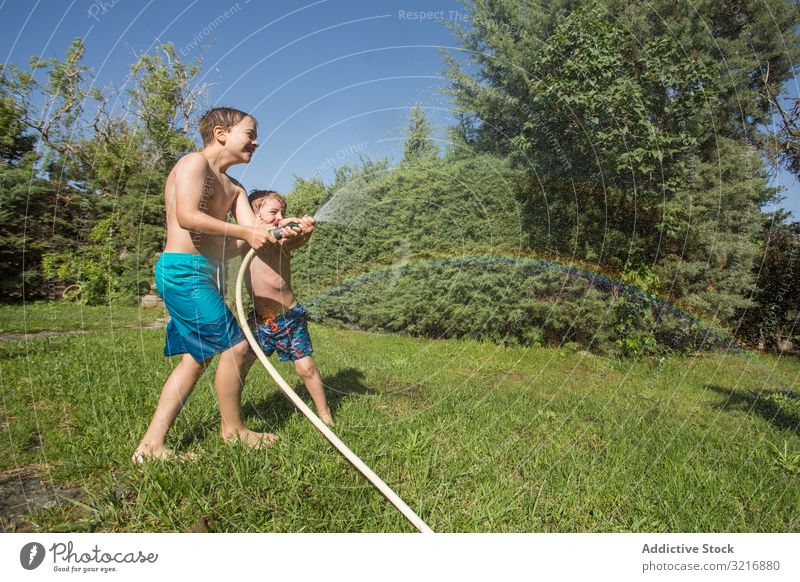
(276, 409)
(750, 401)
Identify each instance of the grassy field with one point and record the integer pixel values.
(474, 437)
(61, 316)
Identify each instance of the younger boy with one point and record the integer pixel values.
(198, 196)
(281, 323)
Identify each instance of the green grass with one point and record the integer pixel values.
(61, 316)
(474, 437)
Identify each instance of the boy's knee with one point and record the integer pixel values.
(241, 350)
(196, 367)
(305, 368)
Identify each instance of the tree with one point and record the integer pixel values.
(38, 214)
(782, 144)
(35, 218)
(775, 316)
(112, 162)
(14, 142)
(419, 145)
(164, 99)
(638, 140)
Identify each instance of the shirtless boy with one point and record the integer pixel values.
(198, 196)
(281, 321)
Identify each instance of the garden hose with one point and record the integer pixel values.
(390, 495)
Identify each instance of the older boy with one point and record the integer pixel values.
(198, 196)
(281, 321)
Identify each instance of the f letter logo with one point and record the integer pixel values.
(31, 556)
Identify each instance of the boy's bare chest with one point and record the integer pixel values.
(273, 262)
(217, 197)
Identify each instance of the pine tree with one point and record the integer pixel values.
(419, 145)
(637, 124)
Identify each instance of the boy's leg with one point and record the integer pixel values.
(234, 364)
(177, 388)
(308, 372)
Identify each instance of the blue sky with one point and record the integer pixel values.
(328, 80)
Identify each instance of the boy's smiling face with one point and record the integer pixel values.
(242, 139)
(270, 211)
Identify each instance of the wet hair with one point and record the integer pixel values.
(259, 197)
(226, 117)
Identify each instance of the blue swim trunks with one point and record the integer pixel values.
(287, 334)
(201, 323)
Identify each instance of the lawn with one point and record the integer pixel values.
(61, 316)
(474, 437)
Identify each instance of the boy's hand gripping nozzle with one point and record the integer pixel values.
(276, 232)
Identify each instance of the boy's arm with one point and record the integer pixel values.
(244, 215)
(241, 209)
(190, 188)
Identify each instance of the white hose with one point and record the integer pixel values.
(393, 498)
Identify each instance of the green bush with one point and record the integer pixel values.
(376, 216)
(512, 301)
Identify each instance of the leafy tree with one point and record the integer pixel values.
(775, 317)
(38, 213)
(112, 162)
(747, 49)
(753, 46)
(419, 145)
(307, 196)
(164, 99)
(14, 141)
(628, 131)
(35, 218)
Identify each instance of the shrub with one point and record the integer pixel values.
(512, 301)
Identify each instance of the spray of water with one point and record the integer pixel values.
(342, 206)
(328, 212)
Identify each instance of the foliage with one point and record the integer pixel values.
(36, 217)
(14, 142)
(164, 100)
(721, 61)
(592, 103)
(419, 145)
(388, 217)
(64, 96)
(514, 302)
(628, 130)
(94, 269)
(103, 174)
(617, 135)
(307, 196)
(773, 319)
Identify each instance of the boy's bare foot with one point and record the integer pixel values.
(252, 439)
(327, 418)
(143, 454)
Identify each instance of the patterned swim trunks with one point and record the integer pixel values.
(287, 334)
